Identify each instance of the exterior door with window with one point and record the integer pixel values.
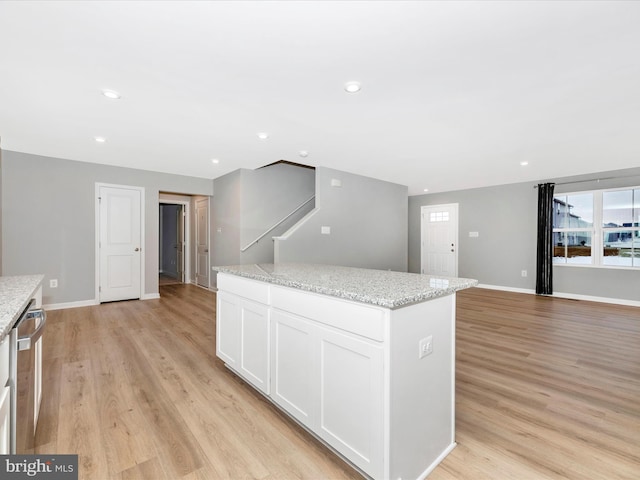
(119, 243)
(439, 235)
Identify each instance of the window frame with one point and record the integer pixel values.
(597, 231)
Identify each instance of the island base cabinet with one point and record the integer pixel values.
(242, 330)
(332, 382)
(355, 375)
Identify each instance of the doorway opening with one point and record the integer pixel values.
(173, 238)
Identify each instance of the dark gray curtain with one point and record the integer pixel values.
(544, 268)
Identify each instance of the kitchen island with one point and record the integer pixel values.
(363, 359)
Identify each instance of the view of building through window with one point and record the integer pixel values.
(597, 228)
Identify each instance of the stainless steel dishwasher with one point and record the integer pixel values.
(26, 377)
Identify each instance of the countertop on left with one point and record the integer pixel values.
(15, 294)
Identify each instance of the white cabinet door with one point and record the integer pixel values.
(228, 329)
(332, 382)
(254, 344)
(242, 331)
(294, 379)
(5, 420)
(351, 393)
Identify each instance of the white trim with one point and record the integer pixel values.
(61, 306)
(506, 289)
(99, 185)
(208, 227)
(209, 289)
(590, 298)
(590, 265)
(569, 296)
(150, 296)
(437, 461)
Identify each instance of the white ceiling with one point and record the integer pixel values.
(455, 94)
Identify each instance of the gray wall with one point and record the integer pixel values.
(0, 208)
(368, 221)
(505, 218)
(49, 219)
(227, 208)
(268, 195)
(248, 202)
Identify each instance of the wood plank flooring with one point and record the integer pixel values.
(546, 389)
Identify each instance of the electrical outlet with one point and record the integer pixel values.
(425, 347)
(53, 283)
(523, 273)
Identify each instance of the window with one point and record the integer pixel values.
(621, 228)
(600, 228)
(439, 217)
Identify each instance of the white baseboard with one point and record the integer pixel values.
(61, 306)
(590, 298)
(90, 303)
(570, 296)
(506, 289)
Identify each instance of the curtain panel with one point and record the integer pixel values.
(544, 258)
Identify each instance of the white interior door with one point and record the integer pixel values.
(439, 232)
(202, 242)
(119, 243)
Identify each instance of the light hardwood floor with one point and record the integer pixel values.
(546, 389)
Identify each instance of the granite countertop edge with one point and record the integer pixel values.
(15, 294)
(391, 302)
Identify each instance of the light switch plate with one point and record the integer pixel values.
(325, 230)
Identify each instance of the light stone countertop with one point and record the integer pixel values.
(376, 287)
(15, 294)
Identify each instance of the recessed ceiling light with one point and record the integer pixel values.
(303, 153)
(100, 139)
(524, 163)
(263, 135)
(111, 94)
(426, 190)
(215, 160)
(352, 87)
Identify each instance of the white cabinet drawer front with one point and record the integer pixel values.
(351, 399)
(349, 316)
(293, 379)
(244, 287)
(4, 361)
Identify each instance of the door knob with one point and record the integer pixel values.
(452, 250)
(137, 249)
